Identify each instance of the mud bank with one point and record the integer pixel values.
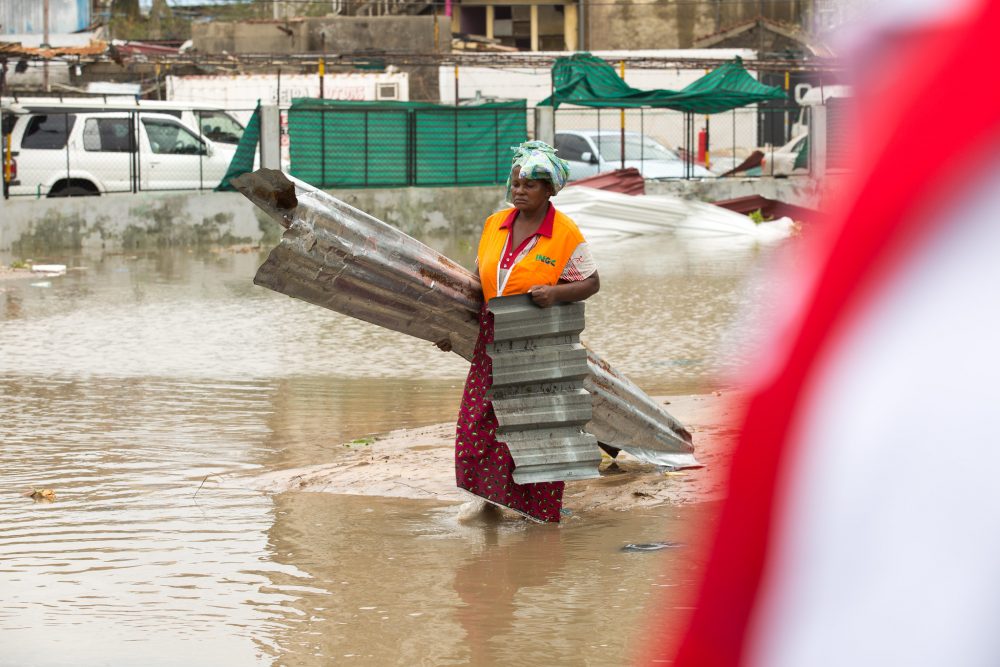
(418, 463)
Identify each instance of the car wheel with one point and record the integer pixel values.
(74, 190)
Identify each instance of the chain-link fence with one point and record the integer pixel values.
(661, 143)
(328, 144)
(83, 152)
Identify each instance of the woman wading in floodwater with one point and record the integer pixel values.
(529, 249)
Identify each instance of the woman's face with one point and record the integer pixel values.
(528, 194)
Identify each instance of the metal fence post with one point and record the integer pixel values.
(688, 131)
(135, 162)
(642, 138)
(322, 147)
(411, 145)
(201, 156)
(366, 148)
(66, 134)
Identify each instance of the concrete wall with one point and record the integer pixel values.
(407, 34)
(30, 227)
(344, 34)
(799, 190)
(150, 220)
(666, 24)
(251, 37)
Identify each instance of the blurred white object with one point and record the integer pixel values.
(48, 268)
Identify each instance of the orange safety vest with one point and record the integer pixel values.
(542, 265)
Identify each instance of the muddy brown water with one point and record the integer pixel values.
(130, 380)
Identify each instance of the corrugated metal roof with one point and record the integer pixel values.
(539, 367)
(95, 48)
(627, 181)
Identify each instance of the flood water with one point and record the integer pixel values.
(128, 382)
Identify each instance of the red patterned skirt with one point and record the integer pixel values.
(484, 466)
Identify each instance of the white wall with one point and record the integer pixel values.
(241, 93)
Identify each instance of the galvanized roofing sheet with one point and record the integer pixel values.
(538, 396)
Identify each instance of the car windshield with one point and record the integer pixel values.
(636, 148)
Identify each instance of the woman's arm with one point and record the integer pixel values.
(564, 292)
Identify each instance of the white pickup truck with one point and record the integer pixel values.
(81, 153)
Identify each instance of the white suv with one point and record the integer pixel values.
(96, 153)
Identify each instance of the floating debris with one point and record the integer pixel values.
(41, 495)
(49, 268)
(650, 546)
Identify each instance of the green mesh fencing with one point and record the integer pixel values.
(337, 144)
(246, 151)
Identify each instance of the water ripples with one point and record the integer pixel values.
(128, 387)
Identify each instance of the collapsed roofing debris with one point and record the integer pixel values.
(606, 214)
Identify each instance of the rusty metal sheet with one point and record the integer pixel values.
(626, 181)
(541, 406)
(336, 256)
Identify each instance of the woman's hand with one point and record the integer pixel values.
(547, 295)
(543, 295)
(444, 344)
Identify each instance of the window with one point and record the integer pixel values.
(48, 131)
(172, 139)
(387, 91)
(571, 147)
(636, 148)
(107, 135)
(219, 126)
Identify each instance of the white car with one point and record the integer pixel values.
(781, 161)
(591, 152)
(96, 153)
(211, 121)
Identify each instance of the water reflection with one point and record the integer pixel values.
(403, 583)
(488, 584)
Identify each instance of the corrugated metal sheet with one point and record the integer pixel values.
(627, 181)
(26, 16)
(338, 257)
(539, 367)
(769, 207)
(17, 48)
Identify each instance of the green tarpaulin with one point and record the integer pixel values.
(585, 80)
(385, 144)
(246, 151)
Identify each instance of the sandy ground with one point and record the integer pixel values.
(7, 273)
(419, 463)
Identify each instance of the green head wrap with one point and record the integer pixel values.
(537, 160)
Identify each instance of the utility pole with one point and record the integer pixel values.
(45, 43)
